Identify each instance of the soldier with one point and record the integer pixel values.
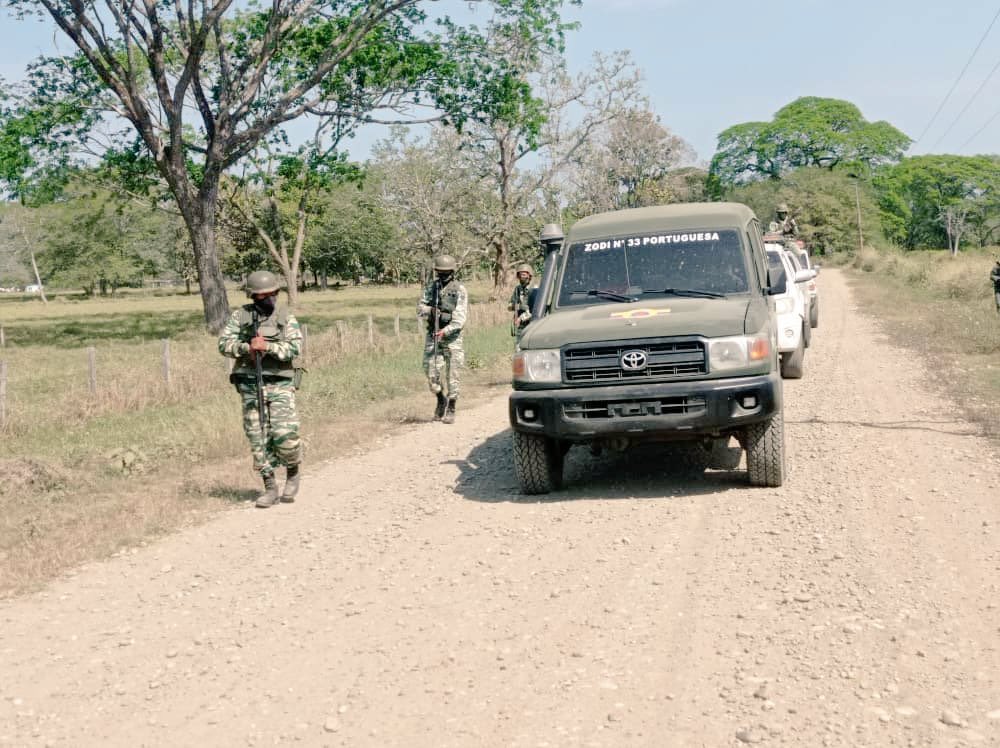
(445, 305)
(786, 224)
(995, 277)
(278, 342)
(519, 300)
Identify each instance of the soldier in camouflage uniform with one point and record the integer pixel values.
(519, 300)
(279, 342)
(445, 305)
(786, 224)
(995, 278)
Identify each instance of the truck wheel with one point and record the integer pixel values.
(765, 445)
(690, 458)
(793, 363)
(538, 463)
(814, 313)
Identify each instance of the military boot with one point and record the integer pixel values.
(270, 495)
(449, 412)
(291, 484)
(441, 405)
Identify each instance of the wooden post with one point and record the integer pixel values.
(3, 395)
(305, 341)
(3, 338)
(166, 361)
(371, 332)
(395, 326)
(342, 334)
(92, 369)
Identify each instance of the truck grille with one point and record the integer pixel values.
(667, 406)
(675, 359)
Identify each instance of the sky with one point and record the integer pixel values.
(710, 64)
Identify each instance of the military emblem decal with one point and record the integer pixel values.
(639, 313)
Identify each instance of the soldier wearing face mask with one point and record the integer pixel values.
(278, 341)
(445, 306)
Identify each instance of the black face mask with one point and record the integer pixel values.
(266, 305)
(445, 278)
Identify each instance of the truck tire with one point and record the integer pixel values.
(690, 459)
(793, 364)
(765, 445)
(538, 463)
(814, 313)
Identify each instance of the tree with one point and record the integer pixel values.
(823, 203)
(811, 131)
(202, 83)
(628, 165)
(930, 201)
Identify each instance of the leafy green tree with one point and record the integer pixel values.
(825, 204)
(200, 84)
(928, 201)
(811, 131)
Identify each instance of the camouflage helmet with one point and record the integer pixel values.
(524, 268)
(444, 264)
(261, 281)
(782, 208)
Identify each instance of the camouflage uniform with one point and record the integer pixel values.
(454, 306)
(995, 277)
(786, 224)
(284, 343)
(520, 307)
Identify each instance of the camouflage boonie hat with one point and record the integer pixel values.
(261, 281)
(444, 263)
(782, 208)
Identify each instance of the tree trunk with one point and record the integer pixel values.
(199, 217)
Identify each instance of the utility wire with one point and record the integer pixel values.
(979, 132)
(967, 105)
(958, 79)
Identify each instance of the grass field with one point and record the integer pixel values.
(86, 473)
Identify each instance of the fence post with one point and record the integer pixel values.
(3, 395)
(371, 332)
(396, 326)
(342, 334)
(3, 338)
(305, 341)
(92, 369)
(166, 361)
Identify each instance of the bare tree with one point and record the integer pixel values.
(955, 220)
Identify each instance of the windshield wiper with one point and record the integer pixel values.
(693, 292)
(606, 295)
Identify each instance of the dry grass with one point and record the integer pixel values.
(86, 474)
(941, 306)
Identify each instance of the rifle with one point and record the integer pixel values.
(259, 365)
(436, 312)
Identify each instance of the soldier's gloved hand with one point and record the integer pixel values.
(524, 317)
(257, 345)
(423, 310)
(439, 334)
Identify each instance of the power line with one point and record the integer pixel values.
(967, 105)
(959, 78)
(979, 132)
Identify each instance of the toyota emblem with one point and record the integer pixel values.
(634, 360)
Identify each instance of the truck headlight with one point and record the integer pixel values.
(543, 365)
(740, 352)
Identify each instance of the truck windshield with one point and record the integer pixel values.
(706, 264)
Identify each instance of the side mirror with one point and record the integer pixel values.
(777, 282)
(801, 276)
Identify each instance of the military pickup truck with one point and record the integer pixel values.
(652, 324)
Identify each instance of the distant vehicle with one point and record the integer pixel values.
(32, 288)
(806, 262)
(792, 310)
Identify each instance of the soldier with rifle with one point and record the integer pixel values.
(445, 306)
(519, 300)
(266, 341)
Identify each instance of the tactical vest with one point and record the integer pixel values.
(447, 302)
(271, 329)
(520, 299)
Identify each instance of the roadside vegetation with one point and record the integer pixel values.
(88, 473)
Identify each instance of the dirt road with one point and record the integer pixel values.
(412, 598)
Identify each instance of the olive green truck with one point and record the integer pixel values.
(651, 324)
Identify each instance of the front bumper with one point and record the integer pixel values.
(668, 410)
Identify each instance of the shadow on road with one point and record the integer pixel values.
(644, 472)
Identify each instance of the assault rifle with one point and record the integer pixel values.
(436, 319)
(258, 360)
